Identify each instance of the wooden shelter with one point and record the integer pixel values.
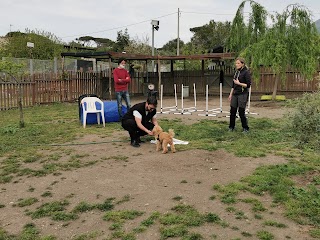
(112, 56)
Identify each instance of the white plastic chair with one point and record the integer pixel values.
(92, 105)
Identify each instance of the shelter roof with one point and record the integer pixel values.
(130, 56)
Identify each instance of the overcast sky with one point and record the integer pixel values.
(70, 19)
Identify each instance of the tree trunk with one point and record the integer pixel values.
(21, 124)
(275, 87)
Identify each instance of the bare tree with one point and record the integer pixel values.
(13, 70)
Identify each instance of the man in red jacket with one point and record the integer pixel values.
(121, 79)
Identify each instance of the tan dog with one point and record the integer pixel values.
(163, 139)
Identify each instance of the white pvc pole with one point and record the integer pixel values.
(207, 99)
(175, 96)
(249, 100)
(207, 104)
(161, 95)
(182, 98)
(182, 108)
(195, 96)
(161, 101)
(221, 97)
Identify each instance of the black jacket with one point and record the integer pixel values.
(244, 77)
(140, 107)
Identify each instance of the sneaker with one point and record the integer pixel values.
(245, 130)
(231, 129)
(135, 143)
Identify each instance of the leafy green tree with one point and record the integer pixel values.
(291, 41)
(139, 46)
(210, 35)
(85, 41)
(75, 44)
(244, 34)
(46, 45)
(123, 40)
(103, 44)
(190, 49)
(170, 48)
(13, 70)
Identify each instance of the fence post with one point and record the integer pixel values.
(34, 92)
(31, 66)
(55, 65)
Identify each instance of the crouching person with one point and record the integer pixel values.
(140, 120)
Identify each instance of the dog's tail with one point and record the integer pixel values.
(171, 132)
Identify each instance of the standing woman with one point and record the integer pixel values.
(238, 96)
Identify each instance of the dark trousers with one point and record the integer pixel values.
(131, 126)
(238, 103)
(233, 113)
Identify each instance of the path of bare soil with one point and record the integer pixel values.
(152, 180)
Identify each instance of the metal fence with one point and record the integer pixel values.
(37, 66)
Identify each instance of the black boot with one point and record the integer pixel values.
(139, 140)
(135, 143)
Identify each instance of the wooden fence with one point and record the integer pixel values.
(49, 88)
(294, 82)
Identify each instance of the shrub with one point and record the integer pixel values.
(304, 121)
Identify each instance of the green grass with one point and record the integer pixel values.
(50, 127)
(177, 198)
(118, 158)
(29, 232)
(264, 235)
(275, 224)
(120, 216)
(107, 205)
(26, 202)
(256, 204)
(47, 194)
(88, 236)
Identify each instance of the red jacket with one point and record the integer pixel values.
(121, 79)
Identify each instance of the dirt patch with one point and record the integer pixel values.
(200, 110)
(152, 181)
(307, 179)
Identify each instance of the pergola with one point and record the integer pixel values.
(111, 56)
(130, 56)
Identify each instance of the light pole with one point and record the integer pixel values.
(178, 38)
(155, 25)
(30, 45)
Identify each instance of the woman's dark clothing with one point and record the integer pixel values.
(240, 98)
(129, 123)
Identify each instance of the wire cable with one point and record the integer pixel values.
(120, 27)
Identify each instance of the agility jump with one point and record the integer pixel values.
(182, 110)
(248, 107)
(188, 110)
(207, 114)
(213, 112)
(173, 108)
